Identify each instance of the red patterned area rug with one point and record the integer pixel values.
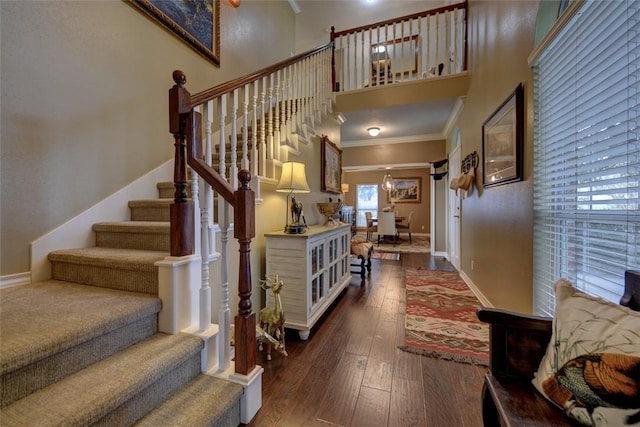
(440, 318)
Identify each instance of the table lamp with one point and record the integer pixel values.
(293, 180)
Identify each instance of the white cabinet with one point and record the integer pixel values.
(314, 267)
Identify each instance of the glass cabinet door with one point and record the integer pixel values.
(314, 260)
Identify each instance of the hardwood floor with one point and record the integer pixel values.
(351, 373)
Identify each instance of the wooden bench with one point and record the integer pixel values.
(517, 344)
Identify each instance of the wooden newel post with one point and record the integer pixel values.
(181, 238)
(244, 223)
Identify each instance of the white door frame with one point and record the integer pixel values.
(454, 211)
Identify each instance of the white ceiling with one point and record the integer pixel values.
(413, 122)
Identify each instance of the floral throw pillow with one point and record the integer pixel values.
(591, 369)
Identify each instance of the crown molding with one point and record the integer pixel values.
(455, 113)
(399, 140)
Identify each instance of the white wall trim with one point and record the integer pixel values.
(17, 279)
(77, 233)
(398, 140)
(483, 300)
(455, 113)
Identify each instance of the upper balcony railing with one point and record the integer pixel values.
(419, 46)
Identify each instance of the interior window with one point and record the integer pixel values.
(367, 201)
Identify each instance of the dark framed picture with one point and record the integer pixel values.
(196, 22)
(331, 168)
(405, 190)
(503, 141)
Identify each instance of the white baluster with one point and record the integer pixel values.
(222, 149)
(256, 167)
(276, 121)
(270, 149)
(295, 103)
(428, 44)
(224, 313)
(362, 59)
(262, 133)
(437, 44)
(245, 131)
(447, 43)
(233, 166)
(208, 116)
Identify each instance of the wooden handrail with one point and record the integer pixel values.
(214, 92)
(436, 11)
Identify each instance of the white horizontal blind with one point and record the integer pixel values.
(587, 154)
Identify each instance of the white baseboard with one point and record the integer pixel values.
(485, 302)
(17, 279)
(77, 233)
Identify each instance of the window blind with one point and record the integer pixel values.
(587, 154)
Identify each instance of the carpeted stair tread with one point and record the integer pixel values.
(158, 227)
(91, 394)
(110, 257)
(44, 318)
(204, 401)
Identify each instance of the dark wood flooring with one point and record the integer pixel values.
(351, 373)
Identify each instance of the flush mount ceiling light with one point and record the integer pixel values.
(375, 131)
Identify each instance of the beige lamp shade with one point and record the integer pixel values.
(293, 178)
(345, 188)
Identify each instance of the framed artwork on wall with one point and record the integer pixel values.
(406, 190)
(195, 22)
(331, 157)
(503, 140)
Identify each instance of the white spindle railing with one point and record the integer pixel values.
(419, 46)
(271, 108)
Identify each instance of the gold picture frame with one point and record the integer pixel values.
(405, 190)
(331, 157)
(201, 31)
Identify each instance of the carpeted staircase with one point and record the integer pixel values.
(84, 349)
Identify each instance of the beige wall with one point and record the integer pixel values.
(84, 101)
(394, 154)
(497, 223)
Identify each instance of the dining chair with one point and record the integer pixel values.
(387, 226)
(371, 225)
(405, 227)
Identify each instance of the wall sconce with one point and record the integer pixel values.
(234, 3)
(374, 131)
(293, 180)
(344, 188)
